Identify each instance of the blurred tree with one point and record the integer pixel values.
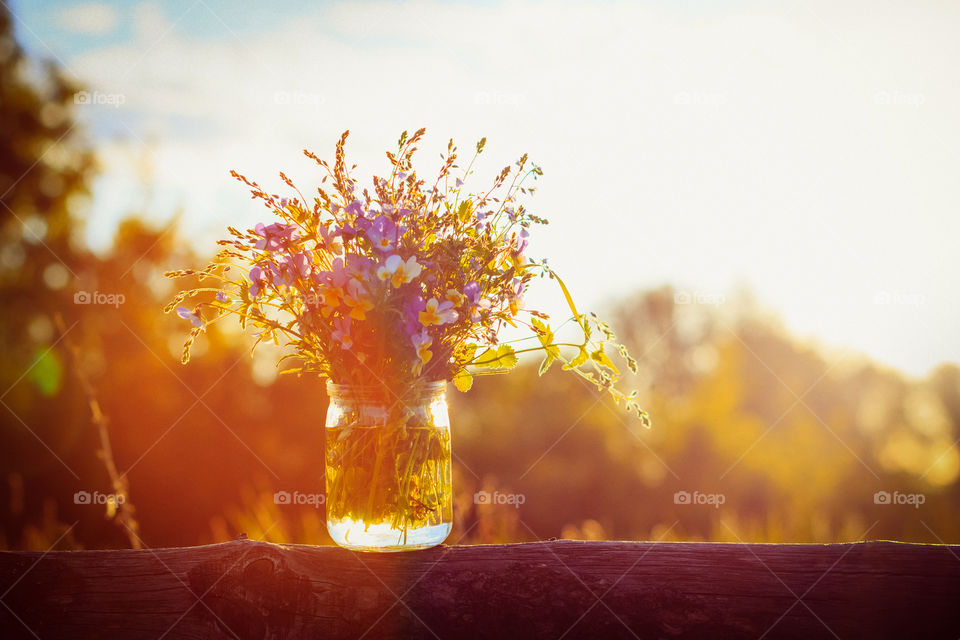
(45, 169)
(797, 442)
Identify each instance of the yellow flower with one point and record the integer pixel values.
(438, 313)
(455, 297)
(421, 342)
(357, 300)
(398, 271)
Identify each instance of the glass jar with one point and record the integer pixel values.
(388, 470)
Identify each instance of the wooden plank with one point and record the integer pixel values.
(567, 589)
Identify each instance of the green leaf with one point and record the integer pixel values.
(543, 331)
(545, 336)
(547, 361)
(486, 360)
(506, 356)
(579, 360)
(602, 358)
(465, 211)
(463, 380)
(566, 294)
(502, 357)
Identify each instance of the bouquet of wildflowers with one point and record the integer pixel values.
(395, 287)
(406, 282)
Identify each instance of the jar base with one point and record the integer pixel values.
(355, 535)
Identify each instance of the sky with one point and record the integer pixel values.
(808, 151)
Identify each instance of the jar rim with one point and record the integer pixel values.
(417, 390)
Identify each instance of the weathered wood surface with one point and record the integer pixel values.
(562, 589)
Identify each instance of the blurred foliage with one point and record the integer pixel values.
(796, 440)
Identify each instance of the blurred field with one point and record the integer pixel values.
(795, 440)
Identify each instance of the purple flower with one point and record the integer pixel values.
(327, 234)
(412, 315)
(477, 305)
(302, 263)
(478, 310)
(355, 208)
(341, 332)
(472, 291)
(276, 236)
(280, 272)
(339, 274)
(515, 296)
(192, 316)
(258, 281)
(360, 267)
(382, 233)
(347, 231)
(524, 240)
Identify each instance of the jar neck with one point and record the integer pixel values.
(415, 393)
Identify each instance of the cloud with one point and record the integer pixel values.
(704, 149)
(89, 18)
(150, 23)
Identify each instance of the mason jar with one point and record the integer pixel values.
(388, 468)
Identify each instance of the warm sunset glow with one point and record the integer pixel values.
(758, 198)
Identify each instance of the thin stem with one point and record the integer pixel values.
(540, 348)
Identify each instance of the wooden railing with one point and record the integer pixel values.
(562, 589)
